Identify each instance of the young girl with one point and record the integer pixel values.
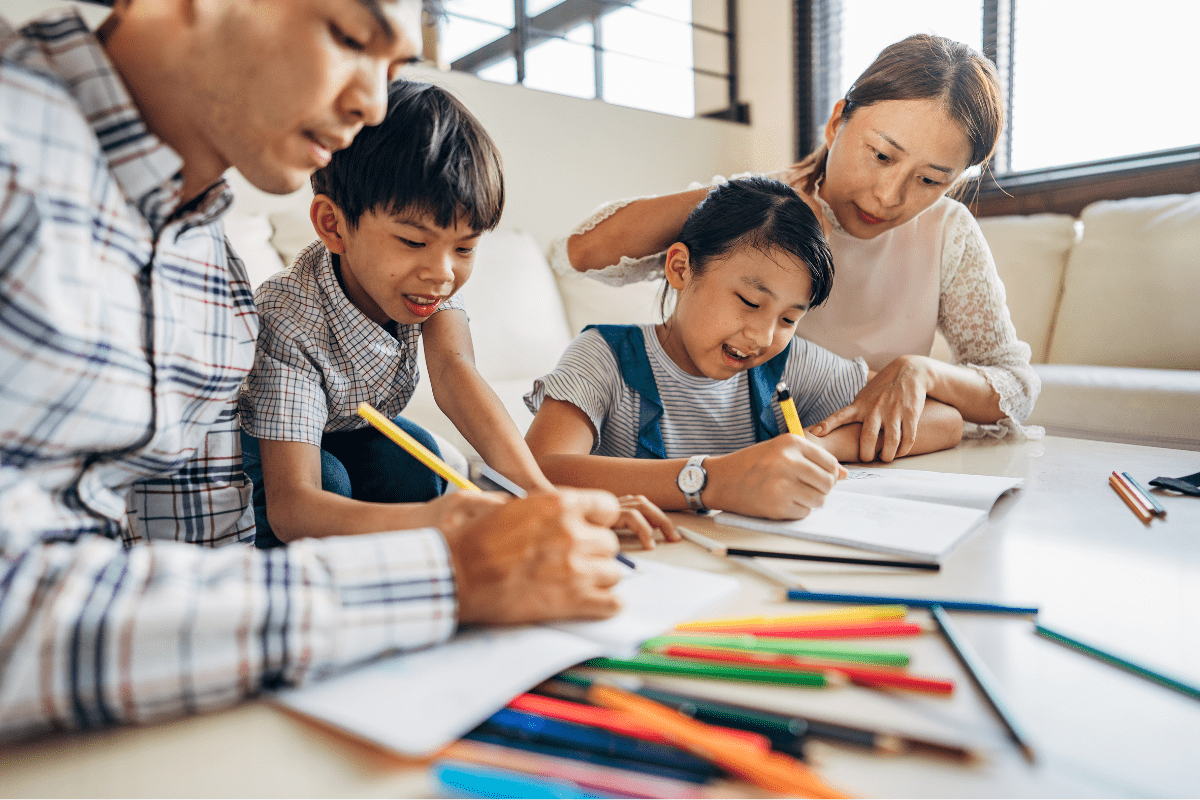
(683, 412)
(910, 260)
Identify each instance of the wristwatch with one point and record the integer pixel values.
(691, 481)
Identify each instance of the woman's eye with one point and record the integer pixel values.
(344, 39)
(930, 181)
(747, 302)
(880, 156)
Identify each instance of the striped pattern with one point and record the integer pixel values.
(100, 453)
(319, 357)
(700, 415)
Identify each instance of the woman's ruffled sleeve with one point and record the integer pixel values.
(973, 316)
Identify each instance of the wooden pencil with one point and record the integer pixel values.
(1124, 494)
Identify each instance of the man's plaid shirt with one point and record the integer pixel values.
(126, 329)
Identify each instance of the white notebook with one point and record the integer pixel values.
(416, 703)
(902, 512)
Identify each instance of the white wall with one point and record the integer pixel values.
(765, 66)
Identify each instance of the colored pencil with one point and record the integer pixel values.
(841, 615)
(614, 721)
(595, 776)
(720, 549)
(983, 679)
(865, 676)
(787, 732)
(1127, 496)
(775, 772)
(833, 630)
(1138, 496)
(645, 662)
(1118, 661)
(912, 602)
(775, 644)
(472, 780)
(1155, 506)
(414, 448)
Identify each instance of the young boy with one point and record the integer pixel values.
(399, 213)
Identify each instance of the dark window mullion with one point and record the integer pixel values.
(999, 43)
(520, 38)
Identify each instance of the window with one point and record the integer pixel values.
(1085, 81)
(671, 56)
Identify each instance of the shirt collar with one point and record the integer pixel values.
(825, 207)
(148, 171)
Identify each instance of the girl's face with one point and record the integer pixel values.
(741, 312)
(889, 162)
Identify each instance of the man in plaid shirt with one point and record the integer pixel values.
(126, 328)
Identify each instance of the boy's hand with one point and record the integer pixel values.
(547, 557)
(642, 517)
(782, 478)
(453, 511)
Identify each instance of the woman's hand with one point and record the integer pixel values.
(642, 517)
(781, 478)
(889, 406)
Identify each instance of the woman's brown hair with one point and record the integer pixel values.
(924, 67)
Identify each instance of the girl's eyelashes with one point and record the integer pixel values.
(747, 302)
(345, 39)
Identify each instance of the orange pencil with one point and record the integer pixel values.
(863, 676)
(1120, 489)
(840, 630)
(859, 614)
(1133, 492)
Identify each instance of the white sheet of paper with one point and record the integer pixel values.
(415, 703)
(950, 488)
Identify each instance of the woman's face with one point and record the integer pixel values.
(889, 162)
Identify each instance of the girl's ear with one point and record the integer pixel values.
(329, 223)
(678, 266)
(835, 122)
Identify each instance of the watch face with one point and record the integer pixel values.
(691, 479)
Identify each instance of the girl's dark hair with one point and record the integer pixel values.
(429, 155)
(928, 67)
(762, 213)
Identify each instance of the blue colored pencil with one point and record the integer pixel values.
(471, 780)
(913, 602)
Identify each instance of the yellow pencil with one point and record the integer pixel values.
(789, 409)
(858, 614)
(414, 448)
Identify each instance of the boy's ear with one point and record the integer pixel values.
(329, 222)
(678, 266)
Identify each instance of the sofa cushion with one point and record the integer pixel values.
(517, 320)
(1129, 298)
(1031, 256)
(589, 302)
(1158, 407)
(250, 237)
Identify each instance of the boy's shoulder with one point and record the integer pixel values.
(297, 292)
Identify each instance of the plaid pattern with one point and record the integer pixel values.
(319, 357)
(101, 277)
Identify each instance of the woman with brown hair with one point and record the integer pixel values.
(909, 259)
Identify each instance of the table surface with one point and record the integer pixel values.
(1063, 541)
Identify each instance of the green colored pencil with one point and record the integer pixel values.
(782, 645)
(671, 666)
(1118, 661)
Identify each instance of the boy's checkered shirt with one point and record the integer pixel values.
(99, 452)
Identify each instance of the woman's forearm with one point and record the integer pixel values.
(642, 228)
(964, 388)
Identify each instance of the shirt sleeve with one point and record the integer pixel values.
(96, 634)
(973, 316)
(587, 377)
(821, 381)
(283, 398)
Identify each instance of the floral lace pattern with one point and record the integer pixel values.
(972, 315)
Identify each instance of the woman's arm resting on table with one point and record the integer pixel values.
(298, 507)
(939, 427)
(783, 478)
(472, 405)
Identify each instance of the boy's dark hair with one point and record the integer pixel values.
(429, 155)
(762, 213)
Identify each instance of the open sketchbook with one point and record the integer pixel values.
(417, 702)
(903, 512)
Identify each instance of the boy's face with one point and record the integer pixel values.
(279, 85)
(401, 266)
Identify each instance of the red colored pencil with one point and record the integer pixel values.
(840, 630)
(864, 676)
(615, 721)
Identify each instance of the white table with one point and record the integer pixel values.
(1064, 541)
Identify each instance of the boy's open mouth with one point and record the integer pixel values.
(421, 305)
(733, 356)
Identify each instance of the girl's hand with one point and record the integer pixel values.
(889, 406)
(783, 478)
(642, 517)
(457, 510)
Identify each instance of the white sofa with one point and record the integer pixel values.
(1107, 302)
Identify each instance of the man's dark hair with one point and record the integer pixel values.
(429, 155)
(762, 213)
